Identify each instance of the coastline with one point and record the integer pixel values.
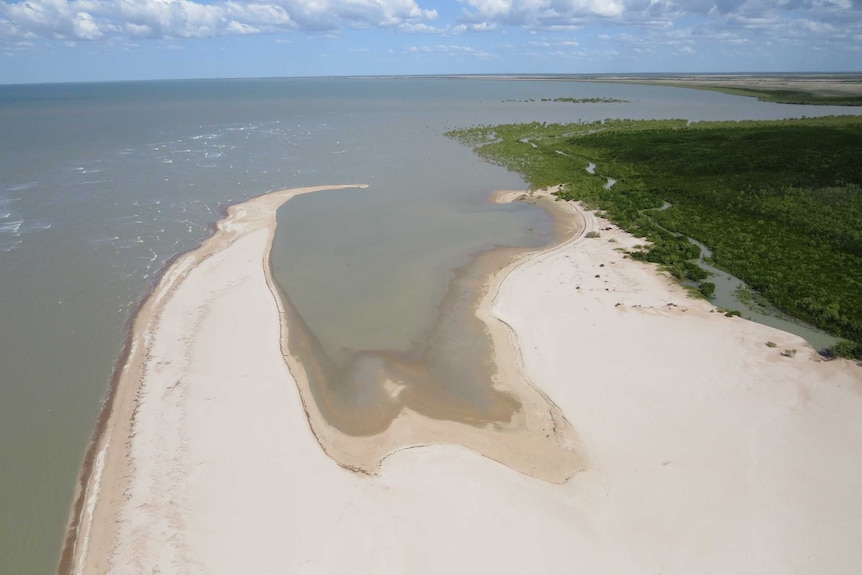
(699, 438)
(143, 432)
(710, 450)
(121, 405)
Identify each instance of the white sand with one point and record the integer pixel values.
(707, 452)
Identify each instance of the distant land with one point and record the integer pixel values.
(828, 89)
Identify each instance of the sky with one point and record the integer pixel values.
(104, 40)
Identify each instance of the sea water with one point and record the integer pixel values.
(101, 184)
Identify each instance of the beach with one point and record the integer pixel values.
(654, 435)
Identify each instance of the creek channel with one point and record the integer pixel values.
(730, 295)
(730, 291)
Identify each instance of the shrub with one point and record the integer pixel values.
(846, 349)
(707, 289)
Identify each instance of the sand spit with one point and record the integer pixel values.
(707, 451)
(208, 385)
(134, 441)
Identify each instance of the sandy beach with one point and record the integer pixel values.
(656, 435)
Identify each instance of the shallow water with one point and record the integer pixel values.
(100, 184)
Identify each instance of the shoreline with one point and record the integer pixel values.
(539, 432)
(120, 406)
(677, 448)
(538, 441)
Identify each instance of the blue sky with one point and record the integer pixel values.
(96, 40)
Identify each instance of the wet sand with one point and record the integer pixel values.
(700, 448)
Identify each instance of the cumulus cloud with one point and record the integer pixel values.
(110, 19)
(640, 26)
(540, 13)
(561, 14)
(451, 50)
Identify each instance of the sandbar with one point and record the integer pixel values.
(690, 445)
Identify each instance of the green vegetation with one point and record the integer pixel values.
(786, 96)
(707, 289)
(778, 203)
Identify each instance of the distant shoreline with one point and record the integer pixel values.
(836, 89)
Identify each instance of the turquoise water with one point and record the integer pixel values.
(100, 184)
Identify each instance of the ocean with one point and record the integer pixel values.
(102, 184)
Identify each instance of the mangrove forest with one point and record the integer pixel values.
(779, 203)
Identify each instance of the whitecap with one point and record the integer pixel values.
(12, 228)
(36, 226)
(22, 187)
(104, 241)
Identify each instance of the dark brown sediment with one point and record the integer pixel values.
(67, 552)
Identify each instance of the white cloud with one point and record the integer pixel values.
(111, 19)
(540, 13)
(650, 26)
(483, 27)
(662, 14)
(421, 28)
(85, 27)
(450, 50)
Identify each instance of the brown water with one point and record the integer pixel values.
(444, 371)
(447, 371)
